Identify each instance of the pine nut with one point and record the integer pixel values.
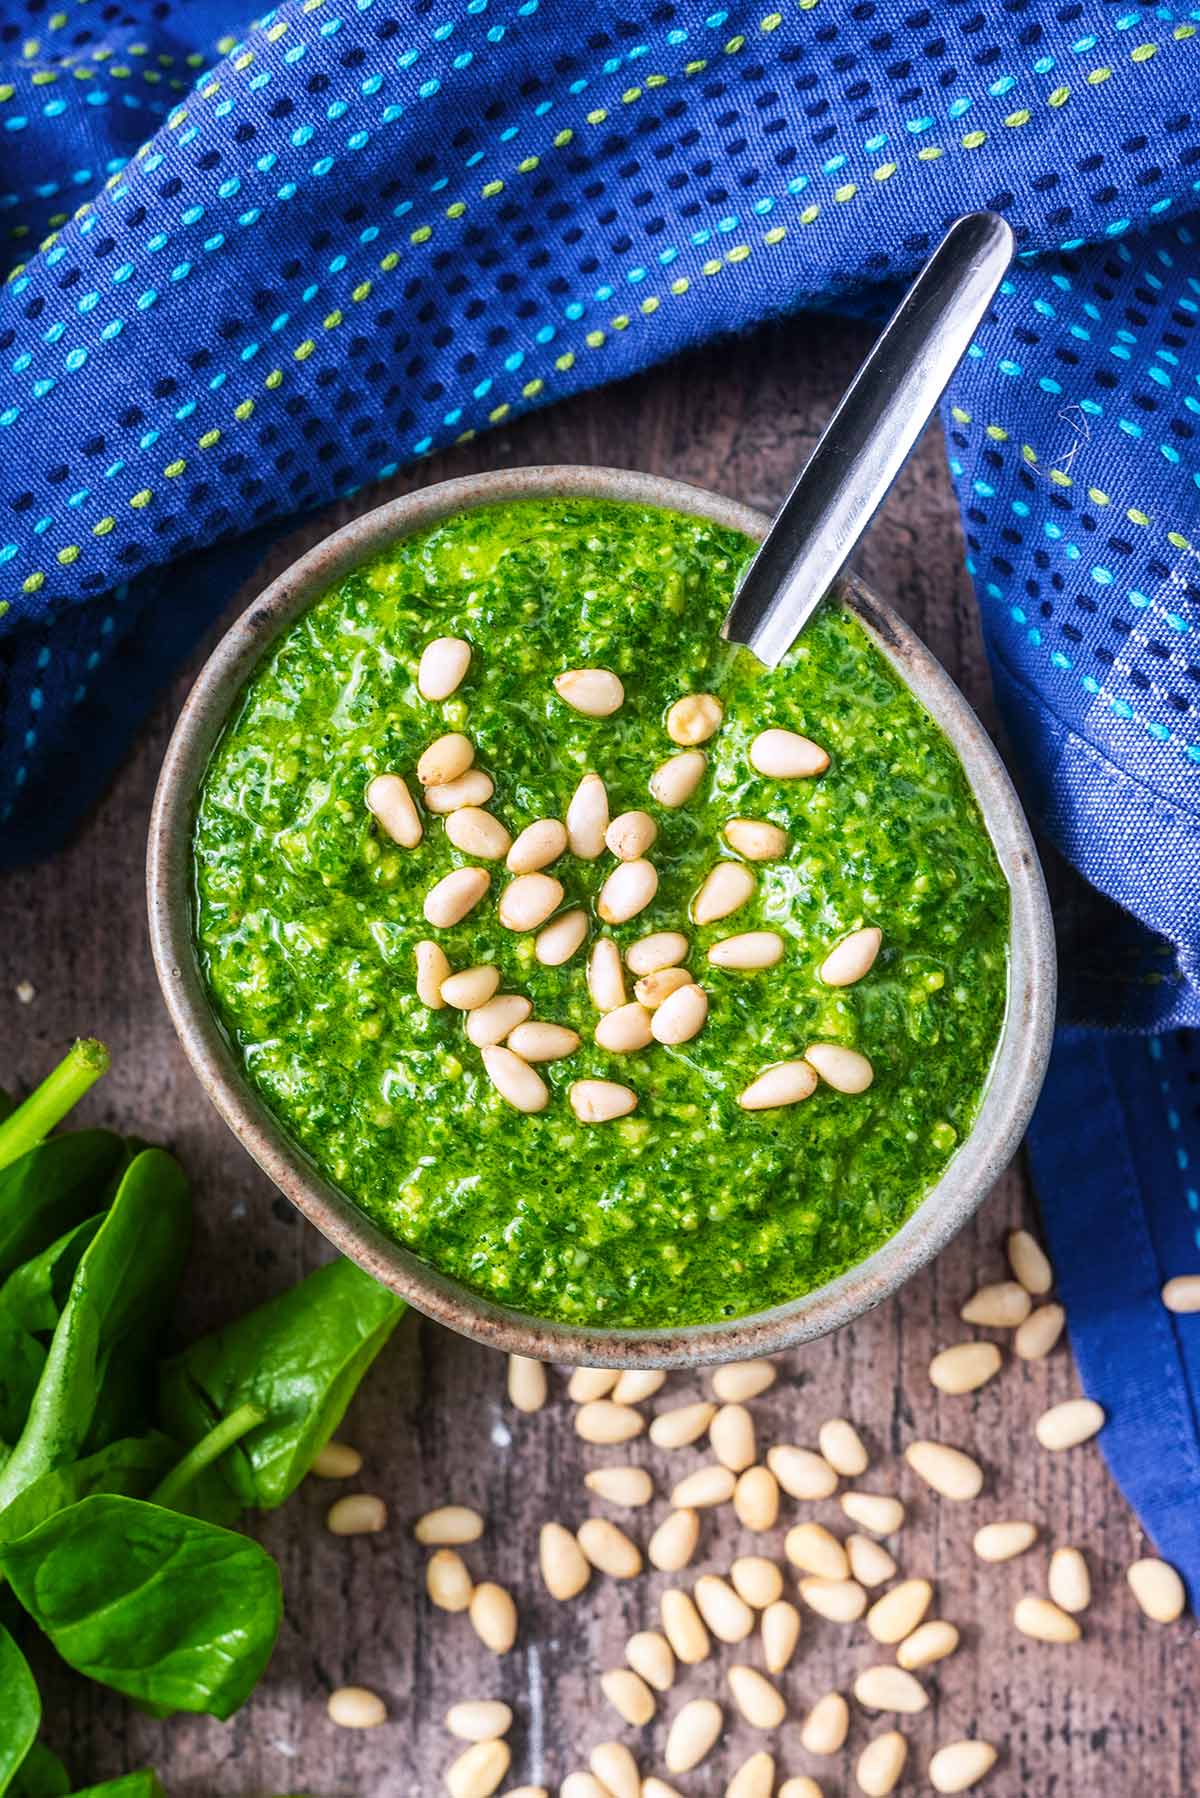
(682, 1424)
(870, 1562)
(1182, 1294)
(432, 969)
(681, 1016)
(785, 755)
(1069, 1581)
(624, 1031)
(479, 1719)
(683, 1627)
(740, 1380)
(965, 1367)
(955, 1475)
(442, 667)
(1067, 1425)
(564, 1566)
(493, 1617)
(759, 1702)
(960, 1765)
(711, 1485)
(600, 1101)
(609, 1549)
(692, 1734)
(1039, 1332)
(880, 1764)
(728, 1617)
(673, 1543)
(756, 1580)
(457, 893)
(515, 1080)
(475, 787)
(653, 989)
(757, 841)
(606, 981)
(526, 1383)
(526, 1792)
(600, 1420)
(627, 891)
(447, 1581)
(933, 1641)
(780, 1633)
(827, 1725)
(1001, 1306)
(675, 780)
(1038, 1618)
(890, 1689)
(1158, 1589)
(477, 833)
(478, 1772)
(529, 900)
(651, 1655)
(353, 1707)
(755, 1778)
(559, 940)
(594, 692)
(752, 950)
(616, 1770)
(731, 1433)
(853, 957)
(811, 1547)
(800, 1787)
(839, 1600)
(694, 719)
(784, 1084)
(543, 1042)
(1030, 1263)
(899, 1611)
(844, 1069)
(471, 987)
(539, 844)
(725, 888)
(756, 1499)
(661, 949)
(658, 1788)
(360, 1514)
(336, 1461)
(1004, 1541)
(447, 758)
(389, 800)
(874, 1511)
(637, 1384)
(497, 1019)
(630, 1486)
(630, 835)
(587, 818)
(800, 1472)
(629, 1696)
(581, 1785)
(842, 1447)
(587, 1383)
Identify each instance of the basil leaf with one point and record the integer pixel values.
(299, 1358)
(51, 1189)
(172, 1612)
(133, 1467)
(133, 1785)
(20, 1709)
(40, 1775)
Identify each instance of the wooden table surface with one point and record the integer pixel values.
(1107, 1716)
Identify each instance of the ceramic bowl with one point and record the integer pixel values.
(1016, 1074)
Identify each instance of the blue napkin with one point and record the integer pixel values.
(256, 266)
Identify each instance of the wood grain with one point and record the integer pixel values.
(1109, 1715)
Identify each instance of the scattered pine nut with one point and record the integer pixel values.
(1182, 1294)
(1158, 1589)
(525, 1792)
(887, 1688)
(526, 1383)
(683, 1627)
(452, 897)
(391, 803)
(478, 833)
(593, 692)
(602, 1421)
(756, 1499)
(432, 969)
(728, 1617)
(353, 1707)
(682, 1424)
(740, 1380)
(1067, 1425)
(786, 1083)
(757, 841)
(564, 1567)
(1001, 1306)
(605, 978)
(673, 1543)
(760, 1703)
(692, 1733)
(629, 836)
(477, 1772)
(724, 889)
(801, 1472)
(1040, 1331)
(756, 1580)
(827, 1724)
(539, 844)
(559, 940)
(624, 1031)
(874, 1511)
(442, 667)
(651, 1655)
(630, 1486)
(965, 1367)
(489, 1024)
(470, 987)
(755, 1778)
(581, 1785)
(1039, 1618)
(844, 1069)
(538, 1041)
(853, 958)
(1004, 1541)
(731, 1433)
(359, 1514)
(446, 759)
(780, 1633)
(528, 900)
(661, 949)
(1069, 1581)
(654, 990)
(637, 1384)
(694, 719)
(933, 1641)
(752, 950)
(899, 1611)
(493, 1617)
(587, 818)
(514, 1079)
(627, 891)
(870, 1562)
(839, 1600)
(587, 1383)
(479, 1719)
(880, 1764)
(336, 1461)
(800, 1787)
(842, 1447)
(960, 1765)
(711, 1485)
(616, 1770)
(681, 1016)
(600, 1101)
(609, 1549)
(1030, 1263)
(675, 780)
(811, 1547)
(786, 755)
(629, 1696)
(658, 1788)
(475, 787)
(955, 1475)
(447, 1580)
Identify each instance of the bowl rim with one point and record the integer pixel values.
(1018, 1066)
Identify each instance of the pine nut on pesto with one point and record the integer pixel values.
(685, 1205)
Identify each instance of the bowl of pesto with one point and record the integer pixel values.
(609, 996)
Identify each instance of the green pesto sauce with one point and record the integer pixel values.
(689, 1210)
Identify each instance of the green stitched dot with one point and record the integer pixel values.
(1098, 75)
(598, 117)
(208, 439)
(712, 266)
(1059, 97)
(565, 362)
(1136, 517)
(1178, 540)
(630, 95)
(332, 320)
(563, 138)
(274, 379)
(846, 192)
(772, 22)
(104, 526)
(973, 139)
(389, 262)
(174, 468)
(423, 233)
(681, 285)
(809, 214)
(304, 350)
(69, 554)
(650, 304)
(734, 45)
(141, 499)
(527, 167)
(1020, 117)
(361, 291)
(739, 253)
(531, 389)
(930, 153)
(885, 171)
(1097, 497)
(243, 412)
(498, 412)
(776, 234)
(1143, 53)
(594, 339)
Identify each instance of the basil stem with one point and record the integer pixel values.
(50, 1102)
(210, 1448)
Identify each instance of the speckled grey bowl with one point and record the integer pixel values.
(1012, 1087)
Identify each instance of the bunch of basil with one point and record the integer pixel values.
(120, 1473)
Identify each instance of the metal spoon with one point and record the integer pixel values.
(867, 441)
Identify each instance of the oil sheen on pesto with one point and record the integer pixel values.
(690, 1209)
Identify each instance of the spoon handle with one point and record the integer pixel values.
(868, 439)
